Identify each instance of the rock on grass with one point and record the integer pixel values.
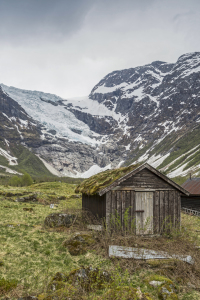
(79, 244)
(59, 219)
(87, 278)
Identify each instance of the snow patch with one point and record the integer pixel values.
(95, 169)
(8, 170)
(12, 160)
(156, 161)
(128, 147)
(55, 117)
(120, 164)
(7, 142)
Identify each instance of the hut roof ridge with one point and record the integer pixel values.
(98, 182)
(105, 181)
(138, 169)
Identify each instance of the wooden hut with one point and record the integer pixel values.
(151, 200)
(192, 185)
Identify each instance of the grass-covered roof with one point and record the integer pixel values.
(94, 184)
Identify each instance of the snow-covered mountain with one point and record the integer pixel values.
(148, 113)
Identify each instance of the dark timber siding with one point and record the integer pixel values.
(166, 212)
(166, 208)
(118, 202)
(123, 198)
(95, 204)
(192, 202)
(146, 179)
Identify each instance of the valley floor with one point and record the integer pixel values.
(31, 253)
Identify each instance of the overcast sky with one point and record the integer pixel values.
(65, 47)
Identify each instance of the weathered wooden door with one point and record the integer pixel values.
(144, 212)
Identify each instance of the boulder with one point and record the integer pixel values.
(27, 198)
(59, 219)
(89, 278)
(79, 243)
(168, 292)
(166, 288)
(155, 283)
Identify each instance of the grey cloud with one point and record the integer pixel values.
(56, 19)
(66, 46)
(180, 16)
(45, 18)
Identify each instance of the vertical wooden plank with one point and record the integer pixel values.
(128, 206)
(161, 210)
(108, 200)
(179, 210)
(147, 206)
(176, 209)
(133, 218)
(104, 207)
(171, 209)
(118, 205)
(139, 199)
(113, 204)
(166, 209)
(123, 197)
(156, 212)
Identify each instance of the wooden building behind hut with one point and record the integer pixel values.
(150, 199)
(192, 201)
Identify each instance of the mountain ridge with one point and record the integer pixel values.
(131, 115)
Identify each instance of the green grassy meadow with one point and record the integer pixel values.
(31, 254)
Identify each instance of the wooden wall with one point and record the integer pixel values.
(95, 204)
(192, 202)
(117, 202)
(166, 208)
(146, 179)
(166, 201)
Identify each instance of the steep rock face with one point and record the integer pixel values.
(155, 99)
(15, 124)
(101, 125)
(139, 114)
(66, 156)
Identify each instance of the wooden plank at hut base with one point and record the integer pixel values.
(142, 253)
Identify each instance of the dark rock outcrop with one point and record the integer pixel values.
(59, 219)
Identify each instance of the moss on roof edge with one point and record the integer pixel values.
(95, 183)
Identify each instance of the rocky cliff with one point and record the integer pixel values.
(148, 113)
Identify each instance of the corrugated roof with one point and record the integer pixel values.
(192, 185)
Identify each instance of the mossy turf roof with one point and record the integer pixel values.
(94, 184)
